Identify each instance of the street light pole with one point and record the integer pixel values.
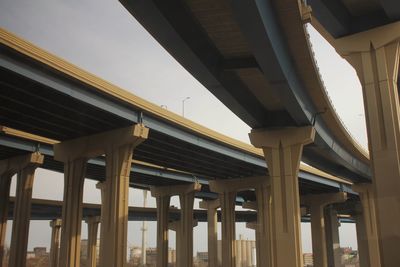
(183, 105)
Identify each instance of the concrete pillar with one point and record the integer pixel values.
(25, 167)
(180, 240)
(74, 175)
(238, 253)
(93, 226)
(243, 247)
(332, 237)
(185, 248)
(283, 149)
(317, 204)
(54, 242)
(369, 222)
(5, 181)
(227, 197)
(212, 219)
(162, 230)
(263, 232)
(249, 253)
(117, 145)
(362, 241)
(375, 56)
(185, 255)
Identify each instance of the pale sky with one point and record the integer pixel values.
(101, 37)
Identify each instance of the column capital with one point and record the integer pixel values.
(210, 204)
(55, 223)
(15, 164)
(251, 205)
(173, 190)
(233, 185)
(324, 199)
(251, 225)
(175, 225)
(97, 144)
(362, 42)
(282, 136)
(92, 219)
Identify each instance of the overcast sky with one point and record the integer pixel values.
(100, 36)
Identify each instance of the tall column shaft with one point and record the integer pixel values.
(263, 227)
(375, 56)
(22, 214)
(362, 242)
(54, 242)
(74, 176)
(5, 181)
(114, 217)
(332, 237)
(162, 230)
(318, 236)
(227, 200)
(282, 150)
(93, 226)
(185, 255)
(212, 220)
(367, 197)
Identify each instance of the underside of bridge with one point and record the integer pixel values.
(254, 56)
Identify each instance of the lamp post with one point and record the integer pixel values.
(183, 105)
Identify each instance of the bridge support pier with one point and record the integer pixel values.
(176, 226)
(118, 147)
(362, 237)
(5, 181)
(162, 229)
(184, 232)
(317, 204)
(332, 237)
(283, 149)
(93, 226)
(367, 226)
(212, 220)
(54, 242)
(375, 56)
(25, 167)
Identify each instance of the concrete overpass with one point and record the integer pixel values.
(257, 59)
(51, 102)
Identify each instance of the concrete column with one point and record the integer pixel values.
(162, 230)
(70, 247)
(317, 204)
(375, 56)
(54, 242)
(227, 200)
(25, 167)
(362, 241)
(5, 181)
(212, 219)
(185, 255)
(263, 231)
(22, 209)
(332, 237)
(114, 219)
(180, 240)
(93, 226)
(283, 149)
(117, 145)
(238, 253)
(185, 247)
(369, 222)
(244, 252)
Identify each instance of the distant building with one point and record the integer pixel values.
(40, 252)
(202, 256)
(84, 249)
(308, 259)
(245, 252)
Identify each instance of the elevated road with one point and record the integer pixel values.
(54, 100)
(257, 59)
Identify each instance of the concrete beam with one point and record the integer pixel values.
(234, 185)
(97, 144)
